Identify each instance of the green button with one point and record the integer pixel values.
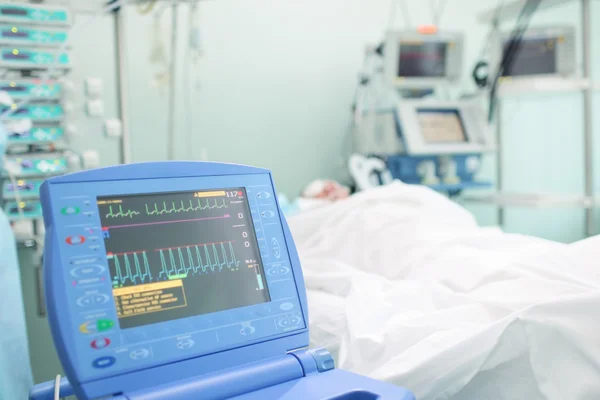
(70, 210)
(104, 325)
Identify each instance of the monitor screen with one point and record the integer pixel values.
(177, 255)
(441, 125)
(420, 59)
(13, 11)
(533, 57)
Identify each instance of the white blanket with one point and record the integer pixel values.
(404, 286)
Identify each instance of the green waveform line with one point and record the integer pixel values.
(165, 208)
(216, 258)
(132, 274)
(121, 213)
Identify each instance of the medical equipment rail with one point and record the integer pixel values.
(181, 280)
(585, 84)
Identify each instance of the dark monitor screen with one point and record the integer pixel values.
(13, 11)
(10, 34)
(177, 255)
(422, 59)
(533, 57)
(441, 125)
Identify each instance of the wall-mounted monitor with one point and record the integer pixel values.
(542, 52)
(422, 61)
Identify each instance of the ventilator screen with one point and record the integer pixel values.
(422, 59)
(441, 126)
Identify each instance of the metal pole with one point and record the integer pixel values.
(587, 119)
(125, 156)
(499, 160)
(172, 75)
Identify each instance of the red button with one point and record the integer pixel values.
(100, 343)
(75, 240)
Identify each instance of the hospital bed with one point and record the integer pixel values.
(405, 287)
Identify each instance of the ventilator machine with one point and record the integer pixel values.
(180, 280)
(423, 138)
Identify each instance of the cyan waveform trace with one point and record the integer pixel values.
(133, 268)
(197, 259)
(176, 262)
(180, 207)
(121, 213)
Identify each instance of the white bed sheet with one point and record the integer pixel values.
(404, 286)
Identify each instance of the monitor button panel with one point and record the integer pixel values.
(161, 270)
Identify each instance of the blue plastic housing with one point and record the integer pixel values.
(218, 340)
(254, 352)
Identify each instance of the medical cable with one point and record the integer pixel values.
(480, 72)
(57, 387)
(516, 37)
(361, 90)
(359, 99)
(147, 9)
(12, 176)
(437, 11)
(394, 5)
(405, 14)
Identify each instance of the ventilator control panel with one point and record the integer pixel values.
(159, 270)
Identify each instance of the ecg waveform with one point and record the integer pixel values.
(176, 263)
(182, 207)
(179, 261)
(121, 213)
(166, 207)
(132, 274)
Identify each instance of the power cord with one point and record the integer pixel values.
(437, 10)
(57, 387)
(393, 11)
(516, 37)
(12, 176)
(480, 72)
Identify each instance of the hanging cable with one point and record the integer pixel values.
(514, 45)
(437, 10)
(405, 14)
(392, 14)
(480, 73)
(57, 387)
(147, 9)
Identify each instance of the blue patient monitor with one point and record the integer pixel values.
(181, 281)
